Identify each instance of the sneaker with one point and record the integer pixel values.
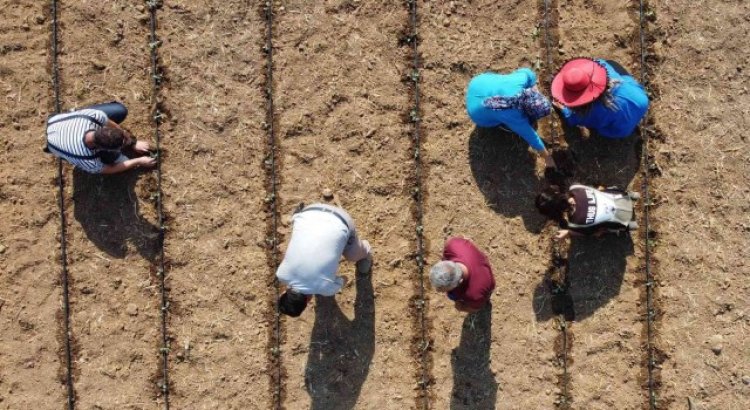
(364, 266)
(632, 225)
(634, 195)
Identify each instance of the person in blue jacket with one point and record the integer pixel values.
(599, 95)
(512, 101)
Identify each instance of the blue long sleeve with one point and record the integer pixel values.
(488, 85)
(630, 101)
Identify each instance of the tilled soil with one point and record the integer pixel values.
(481, 185)
(111, 233)
(219, 285)
(344, 101)
(340, 103)
(29, 286)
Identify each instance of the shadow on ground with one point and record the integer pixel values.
(505, 172)
(602, 161)
(107, 209)
(596, 268)
(341, 350)
(474, 384)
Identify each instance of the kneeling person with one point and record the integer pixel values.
(585, 210)
(465, 274)
(93, 140)
(321, 234)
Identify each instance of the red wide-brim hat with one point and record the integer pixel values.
(579, 82)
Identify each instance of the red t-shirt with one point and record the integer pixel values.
(475, 290)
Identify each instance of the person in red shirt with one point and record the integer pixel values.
(464, 274)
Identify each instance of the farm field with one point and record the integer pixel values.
(345, 118)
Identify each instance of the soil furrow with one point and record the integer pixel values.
(214, 193)
(340, 102)
(272, 166)
(557, 280)
(421, 345)
(31, 350)
(112, 233)
(481, 185)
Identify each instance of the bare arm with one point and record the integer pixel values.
(128, 164)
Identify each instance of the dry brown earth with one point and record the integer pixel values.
(342, 123)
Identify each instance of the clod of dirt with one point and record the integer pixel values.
(40, 19)
(327, 194)
(746, 380)
(98, 65)
(2, 249)
(716, 343)
(131, 309)
(25, 27)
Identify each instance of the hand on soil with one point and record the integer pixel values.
(142, 147)
(146, 162)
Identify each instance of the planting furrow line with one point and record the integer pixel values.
(422, 349)
(652, 359)
(272, 239)
(156, 80)
(557, 274)
(68, 359)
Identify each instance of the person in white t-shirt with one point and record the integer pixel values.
(321, 234)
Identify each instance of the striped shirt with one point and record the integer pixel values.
(67, 137)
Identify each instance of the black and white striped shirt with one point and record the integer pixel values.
(66, 137)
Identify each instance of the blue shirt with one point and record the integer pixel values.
(631, 103)
(488, 85)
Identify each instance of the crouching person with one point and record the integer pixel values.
(91, 139)
(321, 234)
(465, 274)
(585, 210)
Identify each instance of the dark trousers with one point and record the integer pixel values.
(617, 67)
(116, 111)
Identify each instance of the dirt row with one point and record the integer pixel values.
(340, 106)
(702, 214)
(29, 269)
(214, 198)
(112, 238)
(481, 185)
(605, 276)
(342, 123)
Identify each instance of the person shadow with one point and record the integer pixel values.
(596, 160)
(107, 209)
(505, 173)
(595, 271)
(474, 384)
(341, 350)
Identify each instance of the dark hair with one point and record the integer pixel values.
(292, 303)
(552, 203)
(109, 138)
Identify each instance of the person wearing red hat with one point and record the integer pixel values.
(599, 95)
(512, 101)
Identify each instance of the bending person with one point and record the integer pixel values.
(464, 274)
(599, 95)
(91, 139)
(585, 210)
(321, 234)
(509, 100)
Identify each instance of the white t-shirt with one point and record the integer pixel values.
(66, 137)
(312, 257)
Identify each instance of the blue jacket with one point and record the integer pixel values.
(630, 99)
(488, 85)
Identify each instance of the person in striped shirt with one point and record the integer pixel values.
(91, 139)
